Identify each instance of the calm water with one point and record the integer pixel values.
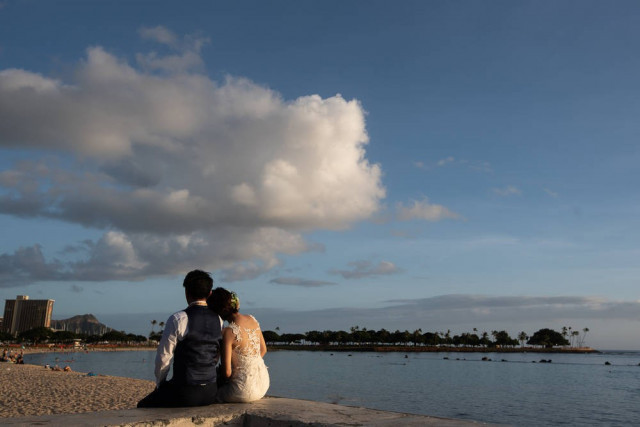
(573, 390)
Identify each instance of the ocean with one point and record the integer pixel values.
(511, 388)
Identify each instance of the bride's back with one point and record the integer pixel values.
(246, 335)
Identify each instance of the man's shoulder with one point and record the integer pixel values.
(178, 315)
(200, 310)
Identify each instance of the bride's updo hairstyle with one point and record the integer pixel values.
(223, 303)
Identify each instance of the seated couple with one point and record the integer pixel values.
(196, 340)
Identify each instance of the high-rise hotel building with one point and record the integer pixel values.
(22, 314)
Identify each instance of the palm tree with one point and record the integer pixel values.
(574, 334)
(584, 334)
(494, 334)
(417, 336)
(447, 337)
(485, 338)
(153, 325)
(522, 337)
(565, 331)
(161, 324)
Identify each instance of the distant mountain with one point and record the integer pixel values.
(82, 324)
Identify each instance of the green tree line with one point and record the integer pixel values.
(47, 335)
(543, 338)
(356, 336)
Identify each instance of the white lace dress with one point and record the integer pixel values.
(249, 377)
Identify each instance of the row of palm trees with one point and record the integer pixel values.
(574, 336)
(359, 336)
(468, 339)
(153, 326)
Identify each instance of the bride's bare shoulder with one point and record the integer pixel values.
(248, 321)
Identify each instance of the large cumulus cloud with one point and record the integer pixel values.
(223, 174)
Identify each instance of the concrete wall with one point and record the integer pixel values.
(271, 411)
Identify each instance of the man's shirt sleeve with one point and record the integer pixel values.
(174, 331)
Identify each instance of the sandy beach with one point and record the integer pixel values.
(34, 390)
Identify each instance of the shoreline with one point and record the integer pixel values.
(331, 348)
(339, 349)
(429, 349)
(46, 350)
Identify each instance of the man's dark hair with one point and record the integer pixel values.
(198, 284)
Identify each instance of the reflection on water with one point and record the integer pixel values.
(574, 389)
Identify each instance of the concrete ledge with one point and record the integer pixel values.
(271, 411)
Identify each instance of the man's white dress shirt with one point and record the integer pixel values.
(175, 329)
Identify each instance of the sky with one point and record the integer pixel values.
(400, 165)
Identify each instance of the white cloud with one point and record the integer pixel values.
(297, 281)
(172, 63)
(157, 156)
(423, 210)
(187, 51)
(466, 301)
(362, 269)
(235, 253)
(159, 34)
(295, 158)
(14, 80)
(162, 35)
(26, 265)
(420, 165)
(479, 166)
(475, 165)
(509, 190)
(551, 193)
(446, 161)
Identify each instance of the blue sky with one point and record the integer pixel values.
(417, 164)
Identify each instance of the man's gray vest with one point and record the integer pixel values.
(196, 356)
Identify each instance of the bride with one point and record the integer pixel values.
(243, 347)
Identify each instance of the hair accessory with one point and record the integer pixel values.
(235, 301)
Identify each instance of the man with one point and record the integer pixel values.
(192, 338)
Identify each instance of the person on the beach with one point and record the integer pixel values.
(243, 348)
(192, 338)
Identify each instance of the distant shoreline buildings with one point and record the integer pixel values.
(22, 314)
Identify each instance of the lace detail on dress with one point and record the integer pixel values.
(252, 347)
(236, 331)
(249, 378)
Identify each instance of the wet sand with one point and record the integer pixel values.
(34, 390)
